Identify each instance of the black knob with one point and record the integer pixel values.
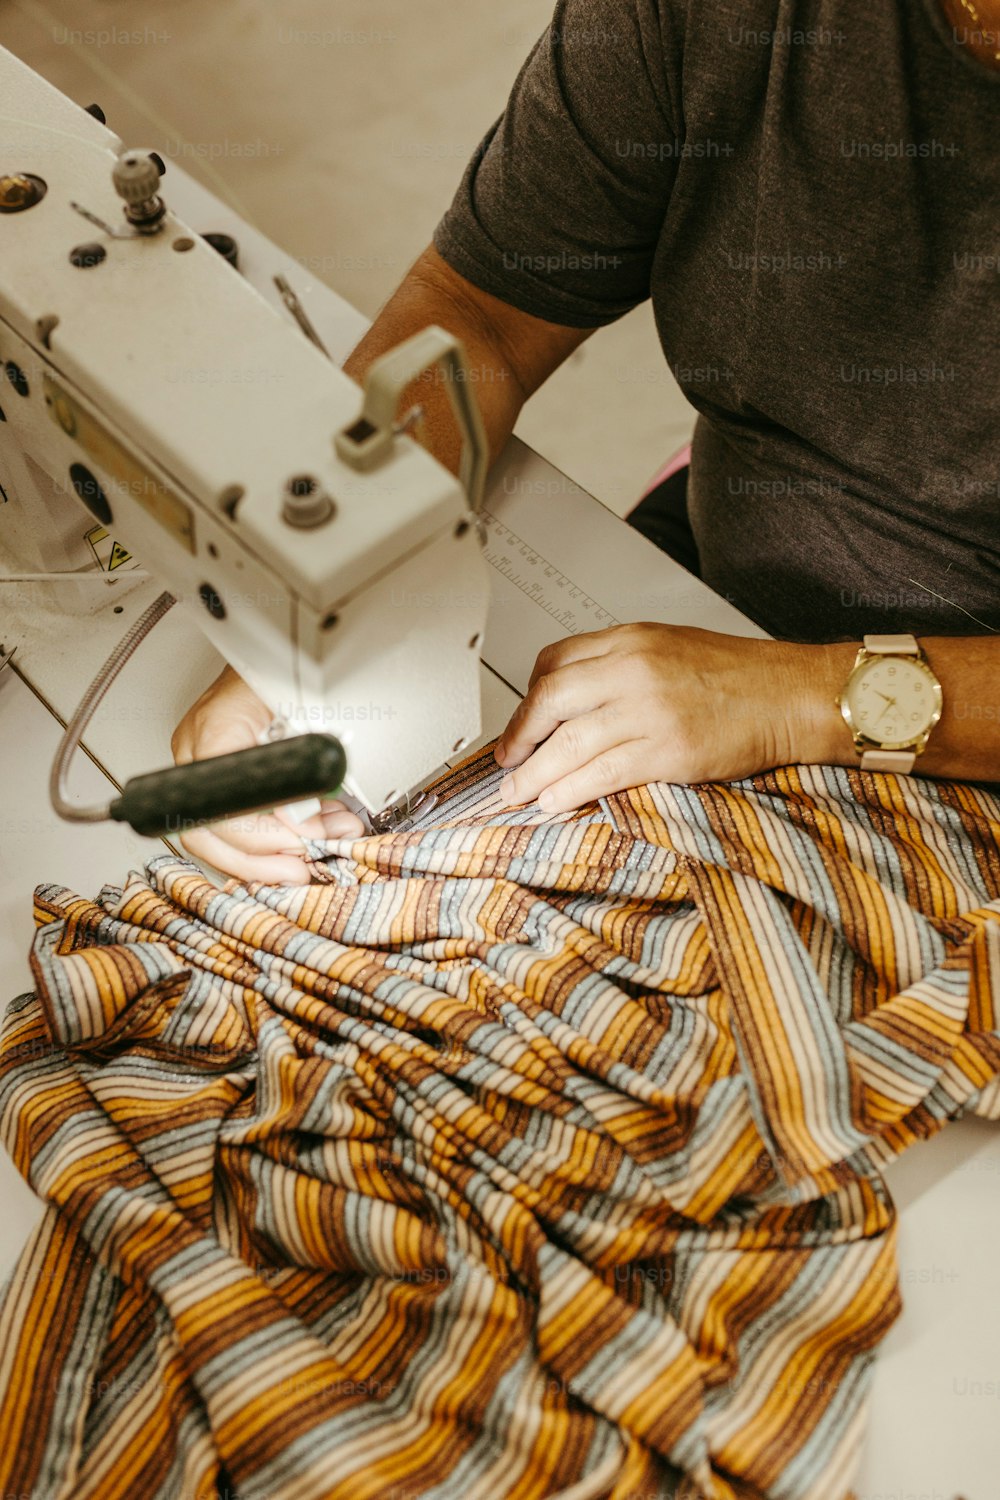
(226, 246)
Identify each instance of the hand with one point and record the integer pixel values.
(615, 708)
(253, 846)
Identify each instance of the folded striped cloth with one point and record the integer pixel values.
(518, 1155)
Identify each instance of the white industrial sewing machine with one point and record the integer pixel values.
(304, 532)
(173, 380)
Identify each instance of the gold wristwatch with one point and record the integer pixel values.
(891, 702)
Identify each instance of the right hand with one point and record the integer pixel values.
(252, 846)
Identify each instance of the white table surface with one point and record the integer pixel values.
(935, 1426)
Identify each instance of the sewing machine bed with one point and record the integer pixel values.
(561, 563)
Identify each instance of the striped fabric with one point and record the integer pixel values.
(518, 1155)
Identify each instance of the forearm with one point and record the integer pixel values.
(963, 746)
(416, 303)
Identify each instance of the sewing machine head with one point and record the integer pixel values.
(312, 542)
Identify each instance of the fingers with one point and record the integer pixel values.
(265, 848)
(589, 643)
(569, 739)
(574, 651)
(612, 770)
(310, 828)
(273, 869)
(248, 845)
(580, 687)
(580, 755)
(343, 825)
(263, 833)
(339, 821)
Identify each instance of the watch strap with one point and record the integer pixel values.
(892, 645)
(900, 761)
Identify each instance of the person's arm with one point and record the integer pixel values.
(646, 702)
(509, 354)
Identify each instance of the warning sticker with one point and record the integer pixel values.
(109, 553)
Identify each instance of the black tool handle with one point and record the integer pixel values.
(181, 797)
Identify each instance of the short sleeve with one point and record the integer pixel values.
(560, 210)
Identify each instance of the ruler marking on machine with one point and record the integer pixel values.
(541, 581)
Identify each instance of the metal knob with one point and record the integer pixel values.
(136, 177)
(305, 503)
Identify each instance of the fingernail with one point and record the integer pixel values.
(499, 752)
(303, 845)
(507, 789)
(546, 799)
(298, 812)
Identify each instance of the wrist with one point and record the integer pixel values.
(817, 732)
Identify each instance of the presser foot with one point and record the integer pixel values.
(402, 814)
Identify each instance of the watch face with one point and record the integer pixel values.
(892, 700)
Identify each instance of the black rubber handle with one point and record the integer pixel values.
(181, 797)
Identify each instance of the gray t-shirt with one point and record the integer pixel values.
(814, 210)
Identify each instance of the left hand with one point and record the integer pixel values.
(616, 708)
(252, 846)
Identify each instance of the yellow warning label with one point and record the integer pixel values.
(109, 553)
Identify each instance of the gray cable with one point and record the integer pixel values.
(78, 573)
(91, 698)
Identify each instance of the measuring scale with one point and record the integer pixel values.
(541, 581)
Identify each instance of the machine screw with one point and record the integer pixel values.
(305, 504)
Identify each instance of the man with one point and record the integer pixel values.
(811, 203)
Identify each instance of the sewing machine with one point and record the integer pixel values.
(157, 404)
(198, 414)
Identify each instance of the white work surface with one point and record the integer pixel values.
(562, 563)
